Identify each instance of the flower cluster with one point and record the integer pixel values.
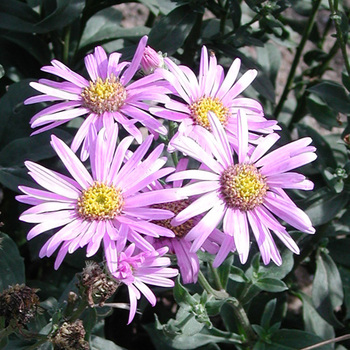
(120, 201)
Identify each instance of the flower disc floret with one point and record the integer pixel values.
(176, 207)
(243, 187)
(106, 95)
(100, 202)
(199, 111)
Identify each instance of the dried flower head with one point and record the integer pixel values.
(70, 336)
(18, 304)
(98, 285)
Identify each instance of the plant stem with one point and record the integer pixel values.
(297, 57)
(66, 44)
(238, 309)
(79, 310)
(216, 276)
(337, 19)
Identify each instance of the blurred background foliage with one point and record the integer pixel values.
(300, 48)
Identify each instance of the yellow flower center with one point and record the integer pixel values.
(175, 207)
(199, 111)
(243, 187)
(100, 202)
(104, 95)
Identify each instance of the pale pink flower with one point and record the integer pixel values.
(109, 96)
(214, 92)
(137, 271)
(243, 194)
(106, 205)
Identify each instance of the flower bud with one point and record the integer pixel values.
(151, 60)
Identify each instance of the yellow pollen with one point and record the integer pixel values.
(100, 202)
(104, 95)
(243, 187)
(175, 207)
(199, 111)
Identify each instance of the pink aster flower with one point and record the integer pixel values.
(106, 205)
(187, 260)
(243, 194)
(214, 92)
(138, 270)
(109, 96)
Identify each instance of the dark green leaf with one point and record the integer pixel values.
(98, 343)
(321, 112)
(333, 94)
(324, 206)
(105, 26)
(237, 275)
(325, 157)
(171, 31)
(345, 276)
(64, 14)
(224, 271)
(339, 250)
(313, 322)
(292, 339)
(268, 313)
(272, 285)
(181, 294)
(269, 57)
(346, 80)
(327, 289)
(272, 270)
(32, 148)
(11, 263)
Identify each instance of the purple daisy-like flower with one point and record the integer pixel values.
(214, 92)
(109, 96)
(248, 193)
(138, 270)
(187, 260)
(107, 205)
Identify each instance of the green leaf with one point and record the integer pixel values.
(11, 263)
(324, 205)
(346, 80)
(171, 31)
(14, 117)
(237, 275)
(64, 14)
(313, 322)
(324, 151)
(105, 26)
(181, 294)
(272, 270)
(98, 343)
(333, 94)
(268, 313)
(269, 57)
(327, 288)
(339, 250)
(224, 271)
(292, 339)
(321, 112)
(32, 148)
(272, 285)
(345, 276)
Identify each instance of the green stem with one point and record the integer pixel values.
(172, 130)
(38, 343)
(66, 45)
(80, 309)
(297, 57)
(6, 332)
(336, 17)
(216, 276)
(238, 309)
